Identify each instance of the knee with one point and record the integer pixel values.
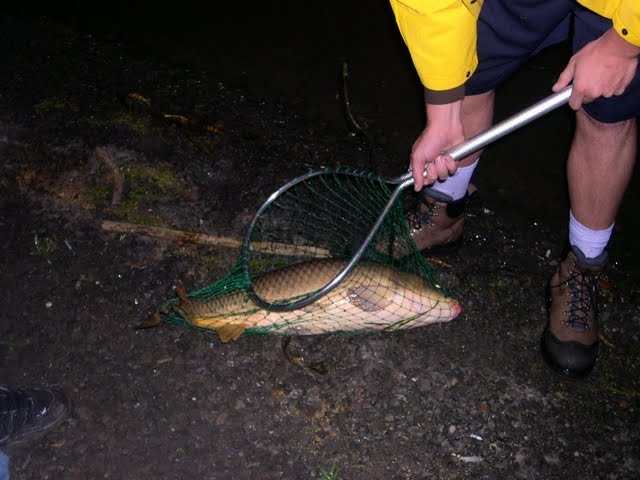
(588, 126)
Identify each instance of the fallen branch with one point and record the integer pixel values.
(213, 240)
(118, 180)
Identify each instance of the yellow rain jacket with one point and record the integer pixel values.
(441, 37)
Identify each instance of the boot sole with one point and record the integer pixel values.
(560, 370)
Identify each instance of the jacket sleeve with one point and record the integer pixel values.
(626, 21)
(625, 15)
(441, 38)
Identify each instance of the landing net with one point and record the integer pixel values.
(298, 242)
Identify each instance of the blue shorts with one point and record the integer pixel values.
(510, 32)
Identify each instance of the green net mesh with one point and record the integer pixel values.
(303, 239)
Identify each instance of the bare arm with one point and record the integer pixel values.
(444, 130)
(441, 37)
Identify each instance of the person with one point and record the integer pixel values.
(462, 50)
(27, 414)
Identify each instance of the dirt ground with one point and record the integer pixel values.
(255, 97)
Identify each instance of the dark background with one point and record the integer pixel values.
(466, 399)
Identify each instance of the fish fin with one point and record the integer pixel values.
(185, 305)
(370, 298)
(181, 291)
(151, 321)
(231, 331)
(226, 330)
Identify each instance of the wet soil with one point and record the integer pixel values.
(261, 89)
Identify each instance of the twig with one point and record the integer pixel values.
(346, 88)
(118, 180)
(356, 125)
(214, 240)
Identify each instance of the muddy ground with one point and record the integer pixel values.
(467, 399)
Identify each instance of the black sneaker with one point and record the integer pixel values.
(26, 414)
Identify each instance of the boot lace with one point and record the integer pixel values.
(582, 288)
(417, 217)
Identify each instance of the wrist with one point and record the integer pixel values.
(446, 117)
(619, 45)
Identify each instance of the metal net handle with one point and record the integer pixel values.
(502, 129)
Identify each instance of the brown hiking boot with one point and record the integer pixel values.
(437, 221)
(570, 339)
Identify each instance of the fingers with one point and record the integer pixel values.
(451, 164)
(564, 79)
(418, 171)
(440, 169)
(597, 70)
(577, 98)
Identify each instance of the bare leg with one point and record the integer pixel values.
(429, 228)
(477, 116)
(599, 168)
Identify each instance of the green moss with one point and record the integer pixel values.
(152, 178)
(136, 123)
(144, 184)
(101, 194)
(44, 246)
(211, 259)
(49, 104)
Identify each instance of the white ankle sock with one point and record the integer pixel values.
(591, 242)
(456, 185)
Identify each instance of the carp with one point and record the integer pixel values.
(370, 297)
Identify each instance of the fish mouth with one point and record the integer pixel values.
(456, 308)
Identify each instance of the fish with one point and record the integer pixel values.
(372, 297)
